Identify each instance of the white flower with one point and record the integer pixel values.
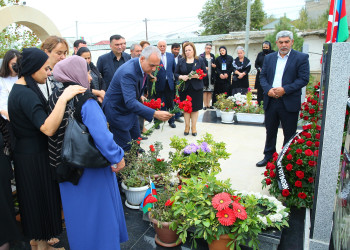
(263, 220)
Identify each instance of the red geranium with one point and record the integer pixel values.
(308, 152)
(299, 174)
(302, 195)
(285, 192)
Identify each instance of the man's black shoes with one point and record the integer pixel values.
(262, 163)
(172, 125)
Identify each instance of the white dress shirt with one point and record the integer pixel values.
(281, 64)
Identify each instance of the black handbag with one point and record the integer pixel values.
(78, 148)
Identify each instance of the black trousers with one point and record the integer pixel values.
(167, 97)
(275, 114)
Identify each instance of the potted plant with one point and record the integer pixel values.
(227, 109)
(191, 159)
(211, 209)
(134, 177)
(219, 99)
(246, 111)
(162, 216)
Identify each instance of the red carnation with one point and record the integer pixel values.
(288, 150)
(307, 135)
(310, 180)
(268, 181)
(300, 141)
(309, 152)
(317, 136)
(312, 163)
(311, 111)
(298, 184)
(138, 142)
(152, 148)
(289, 157)
(289, 167)
(306, 127)
(285, 192)
(301, 115)
(226, 217)
(266, 173)
(313, 102)
(317, 143)
(316, 153)
(272, 166)
(302, 195)
(318, 127)
(299, 151)
(309, 143)
(275, 154)
(272, 174)
(221, 201)
(299, 174)
(306, 107)
(299, 162)
(306, 118)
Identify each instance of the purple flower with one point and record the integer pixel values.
(192, 148)
(204, 147)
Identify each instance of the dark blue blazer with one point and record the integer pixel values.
(181, 69)
(121, 103)
(295, 77)
(106, 67)
(166, 73)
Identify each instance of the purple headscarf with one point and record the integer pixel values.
(72, 69)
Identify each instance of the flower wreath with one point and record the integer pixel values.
(277, 214)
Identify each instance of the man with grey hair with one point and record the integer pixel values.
(123, 100)
(135, 50)
(283, 75)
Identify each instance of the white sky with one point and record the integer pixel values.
(99, 21)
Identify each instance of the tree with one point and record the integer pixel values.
(285, 24)
(16, 36)
(223, 16)
(304, 22)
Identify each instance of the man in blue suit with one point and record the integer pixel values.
(165, 84)
(283, 75)
(108, 63)
(122, 102)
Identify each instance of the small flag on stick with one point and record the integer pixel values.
(150, 198)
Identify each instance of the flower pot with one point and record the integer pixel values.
(218, 114)
(164, 235)
(227, 117)
(248, 117)
(221, 243)
(134, 195)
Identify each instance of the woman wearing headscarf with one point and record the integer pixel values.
(223, 73)
(97, 85)
(241, 69)
(91, 202)
(266, 49)
(37, 189)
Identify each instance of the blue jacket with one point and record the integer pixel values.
(163, 74)
(106, 67)
(121, 103)
(295, 77)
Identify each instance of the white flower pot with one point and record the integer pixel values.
(134, 195)
(227, 117)
(248, 117)
(218, 114)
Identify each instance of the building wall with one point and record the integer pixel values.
(315, 8)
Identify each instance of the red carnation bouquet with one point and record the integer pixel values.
(154, 104)
(297, 162)
(200, 74)
(185, 105)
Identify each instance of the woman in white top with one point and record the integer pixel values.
(8, 77)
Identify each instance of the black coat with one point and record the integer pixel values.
(100, 82)
(259, 61)
(245, 67)
(229, 68)
(213, 71)
(181, 69)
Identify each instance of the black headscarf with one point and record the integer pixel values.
(223, 56)
(32, 60)
(270, 47)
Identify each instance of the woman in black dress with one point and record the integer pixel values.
(241, 68)
(209, 60)
(223, 73)
(266, 47)
(193, 86)
(37, 189)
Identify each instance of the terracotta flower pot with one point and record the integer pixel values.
(164, 235)
(221, 243)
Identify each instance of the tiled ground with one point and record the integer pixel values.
(245, 142)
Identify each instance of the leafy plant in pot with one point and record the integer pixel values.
(193, 159)
(162, 216)
(208, 205)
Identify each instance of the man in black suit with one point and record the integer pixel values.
(283, 75)
(108, 63)
(77, 45)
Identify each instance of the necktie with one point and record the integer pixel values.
(144, 79)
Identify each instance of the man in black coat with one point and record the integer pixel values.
(283, 75)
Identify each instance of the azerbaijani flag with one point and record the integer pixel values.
(330, 24)
(149, 199)
(343, 30)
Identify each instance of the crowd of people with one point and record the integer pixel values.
(41, 88)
